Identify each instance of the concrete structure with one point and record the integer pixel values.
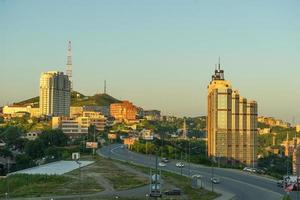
(55, 94)
(231, 123)
(152, 115)
(124, 111)
(54, 168)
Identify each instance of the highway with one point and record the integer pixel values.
(242, 185)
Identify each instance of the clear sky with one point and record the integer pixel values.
(159, 54)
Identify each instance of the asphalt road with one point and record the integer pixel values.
(243, 185)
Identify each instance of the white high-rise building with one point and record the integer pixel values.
(55, 94)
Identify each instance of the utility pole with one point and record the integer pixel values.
(94, 139)
(80, 187)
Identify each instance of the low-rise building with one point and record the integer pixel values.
(152, 115)
(76, 111)
(273, 122)
(147, 134)
(263, 131)
(20, 110)
(71, 127)
(124, 111)
(79, 125)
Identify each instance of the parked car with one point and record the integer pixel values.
(180, 165)
(173, 192)
(161, 164)
(249, 169)
(215, 180)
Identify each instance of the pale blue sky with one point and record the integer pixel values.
(159, 54)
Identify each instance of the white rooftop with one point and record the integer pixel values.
(55, 168)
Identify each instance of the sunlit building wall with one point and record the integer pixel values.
(231, 123)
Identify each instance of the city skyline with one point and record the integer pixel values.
(141, 63)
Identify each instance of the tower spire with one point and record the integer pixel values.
(69, 63)
(104, 87)
(219, 65)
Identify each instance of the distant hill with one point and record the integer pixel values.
(78, 99)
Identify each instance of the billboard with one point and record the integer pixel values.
(91, 145)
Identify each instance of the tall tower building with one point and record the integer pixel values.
(69, 64)
(231, 123)
(55, 94)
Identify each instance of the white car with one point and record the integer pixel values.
(215, 180)
(162, 164)
(249, 169)
(180, 165)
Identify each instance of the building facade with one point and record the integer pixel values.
(231, 123)
(55, 94)
(13, 110)
(124, 111)
(74, 127)
(152, 115)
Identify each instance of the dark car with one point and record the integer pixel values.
(173, 192)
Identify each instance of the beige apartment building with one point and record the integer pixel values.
(55, 94)
(74, 127)
(231, 123)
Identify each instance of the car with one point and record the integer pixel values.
(161, 164)
(165, 160)
(249, 169)
(173, 192)
(180, 165)
(215, 180)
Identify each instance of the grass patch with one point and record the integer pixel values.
(119, 178)
(22, 185)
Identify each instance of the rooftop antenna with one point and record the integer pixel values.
(104, 86)
(219, 63)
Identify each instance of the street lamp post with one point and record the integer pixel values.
(80, 189)
(189, 158)
(7, 178)
(212, 174)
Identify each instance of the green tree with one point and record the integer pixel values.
(23, 161)
(35, 149)
(10, 135)
(53, 138)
